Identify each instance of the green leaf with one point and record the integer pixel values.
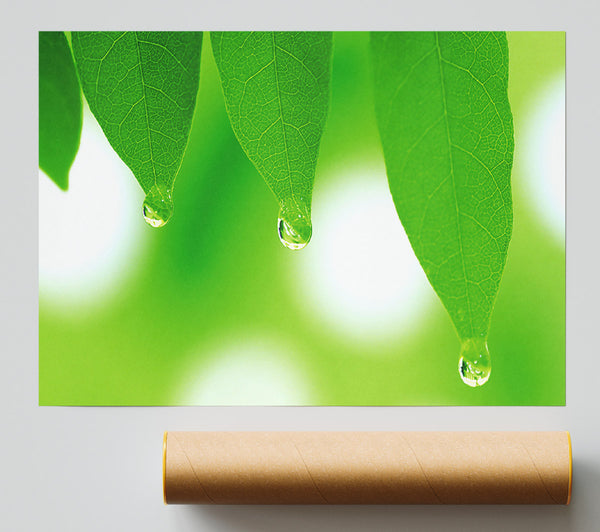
(59, 107)
(447, 133)
(141, 87)
(276, 87)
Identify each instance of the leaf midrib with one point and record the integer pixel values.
(285, 142)
(139, 54)
(446, 120)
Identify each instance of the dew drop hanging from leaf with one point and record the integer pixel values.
(475, 364)
(293, 224)
(276, 88)
(158, 206)
(447, 134)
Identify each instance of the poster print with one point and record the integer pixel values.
(306, 218)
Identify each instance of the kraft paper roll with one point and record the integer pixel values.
(367, 467)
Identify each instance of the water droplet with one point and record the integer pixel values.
(158, 206)
(294, 225)
(475, 364)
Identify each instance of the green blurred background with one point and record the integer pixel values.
(212, 309)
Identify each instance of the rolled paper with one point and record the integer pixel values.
(367, 467)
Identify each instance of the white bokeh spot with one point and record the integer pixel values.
(249, 371)
(89, 236)
(545, 155)
(359, 274)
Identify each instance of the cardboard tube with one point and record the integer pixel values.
(367, 467)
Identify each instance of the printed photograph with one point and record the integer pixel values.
(301, 218)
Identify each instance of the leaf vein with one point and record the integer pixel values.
(460, 243)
